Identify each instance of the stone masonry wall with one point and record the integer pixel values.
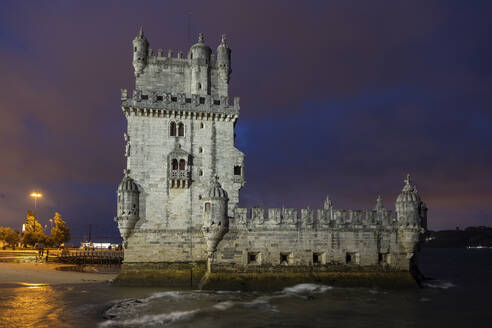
(168, 90)
(173, 74)
(331, 239)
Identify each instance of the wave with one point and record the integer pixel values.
(438, 284)
(128, 306)
(170, 294)
(261, 304)
(224, 305)
(151, 320)
(130, 312)
(306, 289)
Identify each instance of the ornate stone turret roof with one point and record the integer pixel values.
(408, 193)
(201, 44)
(141, 36)
(379, 204)
(127, 183)
(223, 42)
(215, 190)
(328, 204)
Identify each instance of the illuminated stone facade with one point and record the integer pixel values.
(178, 201)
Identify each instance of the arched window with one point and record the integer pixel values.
(181, 130)
(182, 164)
(172, 129)
(207, 207)
(175, 164)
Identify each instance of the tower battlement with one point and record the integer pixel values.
(178, 102)
(319, 219)
(197, 73)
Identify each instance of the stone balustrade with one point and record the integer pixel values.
(307, 218)
(179, 101)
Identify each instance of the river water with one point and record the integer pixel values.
(460, 296)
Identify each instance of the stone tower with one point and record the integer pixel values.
(178, 208)
(180, 134)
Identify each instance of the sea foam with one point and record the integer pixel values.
(438, 284)
(151, 320)
(306, 289)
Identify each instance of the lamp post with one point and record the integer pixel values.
(36, 195)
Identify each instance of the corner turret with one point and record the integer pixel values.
(379, 204)
(215, 218)
(224, 63)
(128, 205)
(407, 204)
(140, 52)
(200, 52)
(199, 55)
(411, 219)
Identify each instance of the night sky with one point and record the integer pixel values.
(339, 98)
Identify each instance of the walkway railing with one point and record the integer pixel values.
(90, 256)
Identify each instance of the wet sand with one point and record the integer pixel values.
(46, 273)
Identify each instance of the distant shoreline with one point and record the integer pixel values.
(471, 237)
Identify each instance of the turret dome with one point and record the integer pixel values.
(216, 191)
(224, 54)
(409, 193)
(223, 46)
(127, 183)
(141, 37)
(200, 49)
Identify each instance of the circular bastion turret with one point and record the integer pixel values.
(411, 216)
(128, 205)
(215, 218)
(140, 52)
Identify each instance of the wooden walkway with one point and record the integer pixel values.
(73, 256)
(88, 257)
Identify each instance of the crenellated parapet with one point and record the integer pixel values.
(410, 217)
(310, 219)
(175, 58)
(168, 104)
(199, 72)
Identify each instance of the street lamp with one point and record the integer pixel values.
(36, 195)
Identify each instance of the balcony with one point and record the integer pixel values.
(180, 179)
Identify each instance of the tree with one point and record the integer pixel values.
(49, 241)
(4, 232)
(32, 225)
(34, 232)
(11, 237)
(31, 238)
(60, 232)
